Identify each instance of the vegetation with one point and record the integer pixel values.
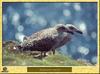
(16, 58)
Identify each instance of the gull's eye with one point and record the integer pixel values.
(63, 28)
(71, 28)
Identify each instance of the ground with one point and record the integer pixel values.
(16, 58)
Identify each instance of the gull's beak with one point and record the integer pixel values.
(70, 32)
(78, 31)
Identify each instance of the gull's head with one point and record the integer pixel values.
(72, 29)
(69, 28)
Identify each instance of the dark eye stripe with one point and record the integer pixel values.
(62, 27)
(71, 27)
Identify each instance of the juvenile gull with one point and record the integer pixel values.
(49, 39)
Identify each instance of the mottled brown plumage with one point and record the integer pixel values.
(49, 39)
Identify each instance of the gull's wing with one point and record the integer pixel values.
(42, 40)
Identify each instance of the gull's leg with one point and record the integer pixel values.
(53, 50)
(41, 55)
(44, 53)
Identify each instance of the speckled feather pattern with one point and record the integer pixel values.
(45, 40)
